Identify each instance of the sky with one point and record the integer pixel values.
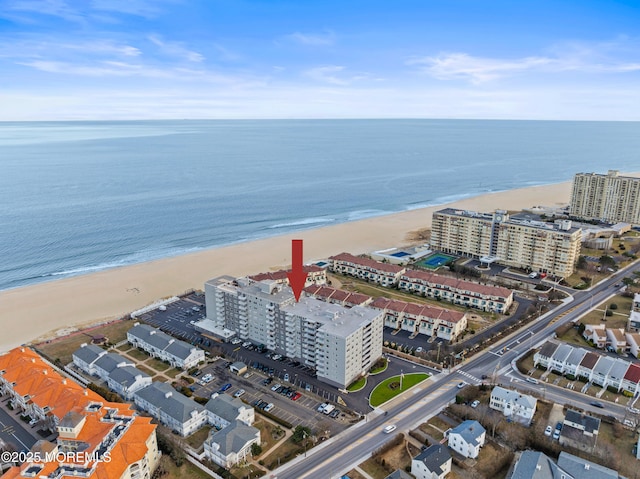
(228, 59)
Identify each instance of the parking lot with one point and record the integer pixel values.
(178, 318)
(302, 411)
(16, 434)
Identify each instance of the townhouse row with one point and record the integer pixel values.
(115, 441)
(465, 293)
(157, 344)
(598, 369)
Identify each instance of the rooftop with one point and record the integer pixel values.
(469, 430)
(233, 438)
(171, 402)
(368, 263)
(514, 396)
(418, 310)
(457, 284)
(434, 457)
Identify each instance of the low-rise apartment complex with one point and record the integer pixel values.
(385, 274)
(115, 442)
(544, 247)
(466, 293)
(611, 198)
(422, 319)
(160, 345)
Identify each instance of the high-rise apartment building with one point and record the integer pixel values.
(611, 198)
(544, 247)
(340, 343)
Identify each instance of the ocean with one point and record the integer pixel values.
(78, 197)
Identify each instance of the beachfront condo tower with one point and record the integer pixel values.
(551, 248)
(611, 198)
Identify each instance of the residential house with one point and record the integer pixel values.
(585, 370)
(431, 321)
(384, 274)
(580, 468)
(573, 361)
(600, 373)
(631, 379)
(559, 358)
(232, 444)
(516, 406)
(536, 465)
(617, 373)
(174, 410)
(579, 431)
(222, 410)
(160, 345)
(633, 324)
(465, 293)
(127, 380)
(432, 463)
(596, 334)
(467, 438)
(616, 340)
(85, 357)
(337, 296)
(543, 356)
(633, 341)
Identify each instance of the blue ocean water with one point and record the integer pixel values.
(77, 197)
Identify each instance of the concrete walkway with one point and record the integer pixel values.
(359, 469)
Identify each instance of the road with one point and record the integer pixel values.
(356, 444)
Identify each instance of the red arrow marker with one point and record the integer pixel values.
(297, 276)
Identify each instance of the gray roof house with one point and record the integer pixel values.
(108, 362)
(543, 357)
(574, 360)
(519, 407)
(559, 357)
(579, 431)
(433, 462)
(583, 469)
(398, 474)
(467, 438)
(223, 410)
(86, 355)
(600, 374)
(161, 345)
(536, 465)
(127, 380)
(617, 373)
(232, 444)
(171, 408)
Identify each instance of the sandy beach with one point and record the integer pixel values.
(40, 310)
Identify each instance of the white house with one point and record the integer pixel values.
(467, 438)
(222, 410)
(127, 380)
(174, 410)
(616, 339)
(633, 341)
(519, 407)
(432, 463)
(231, 445)
(596, 334)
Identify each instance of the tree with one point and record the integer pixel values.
(256, 449)
(582, 262)
(300, 433)
(607, 261)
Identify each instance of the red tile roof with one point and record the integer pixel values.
(368, 263)
(633, 374)
(337, 295)
(435, 279)
(418, 310)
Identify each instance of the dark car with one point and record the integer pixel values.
(597, 404)
(225, 387)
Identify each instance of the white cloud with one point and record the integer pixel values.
(176, 49)
(313, 39)
(326, 74)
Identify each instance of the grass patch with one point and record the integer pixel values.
(145, 369)
(375, 470)
(380, 366)
(353, 474)
(157, 364)
(390, 388)
(357, 385)
(63, 348)
(283, 453)
(268, 436)
(124, 348)
(247, 470)
(187, 471)
(138, 354)
(172, 373)
(197, 438)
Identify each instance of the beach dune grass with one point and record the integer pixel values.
(390, 387)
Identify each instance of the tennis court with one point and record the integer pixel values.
(436, 260)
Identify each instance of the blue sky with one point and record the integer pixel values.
(137, 59)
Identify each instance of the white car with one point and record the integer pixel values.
(238, 393)
(276, 386)
(246, 344)
(548, 431)
(461, 384)
(321, 407)
(236, 341)
(269, 407)
(475, 404)
(389, 429)
(419, 349)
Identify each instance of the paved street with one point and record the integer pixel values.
(14, 432)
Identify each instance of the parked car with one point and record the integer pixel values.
(532, 380)
(296, 396)
(225, 387)
(321, 407)
(335, 413)
(548, 431)
(276, 386)
(475, 404)
(419, 349)
(236, 341)
(269, 407)
(286, 377)
(238, 393)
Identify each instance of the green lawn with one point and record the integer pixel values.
(158, 365)
(357, 385)
(197, 438)
(172, 373)
(386, 390)
(138, 354)
(379, 370)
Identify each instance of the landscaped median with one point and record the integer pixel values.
(391, 387)
(357, 385)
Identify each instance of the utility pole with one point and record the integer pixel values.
(438, 356)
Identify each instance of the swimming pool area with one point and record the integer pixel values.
(436, 260)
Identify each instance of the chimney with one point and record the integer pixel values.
(45, 372)
(86, 392)
(64, 381)
(587, 466)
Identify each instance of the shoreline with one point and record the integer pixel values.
(36, 311)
